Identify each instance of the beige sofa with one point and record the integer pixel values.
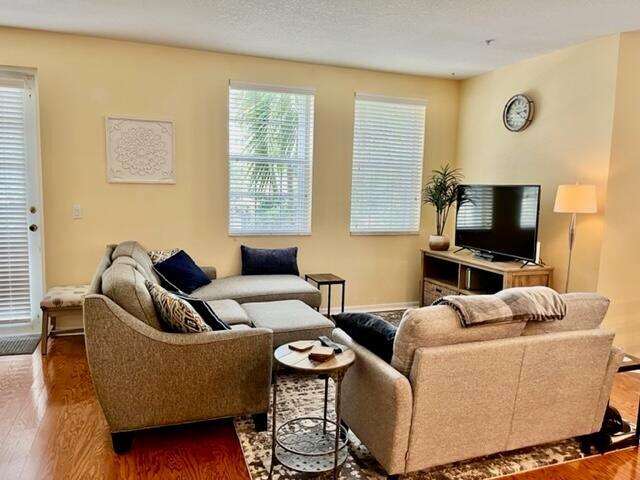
(452, 394)
(146, 377)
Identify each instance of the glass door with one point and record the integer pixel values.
(20, 232)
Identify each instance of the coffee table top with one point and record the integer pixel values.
(300, 360)
(324, 278)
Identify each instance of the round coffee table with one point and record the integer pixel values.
(310, 444)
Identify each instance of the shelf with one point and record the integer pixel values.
(443, 283)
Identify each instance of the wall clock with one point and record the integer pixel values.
(518, 113)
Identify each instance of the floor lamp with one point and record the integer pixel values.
(574, 199)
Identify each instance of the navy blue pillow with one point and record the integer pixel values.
(181, 272)
(269, 261)
(205, 311)
(371, 331)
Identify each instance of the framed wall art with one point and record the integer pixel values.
(140, 150)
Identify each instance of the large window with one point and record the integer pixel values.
(270, 160)
(388, 146)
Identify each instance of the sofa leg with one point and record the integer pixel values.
(393, 477)
(260, 422)
(121, 442)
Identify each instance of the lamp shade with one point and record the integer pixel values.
(576, 199)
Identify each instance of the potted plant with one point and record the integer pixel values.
(441, 191)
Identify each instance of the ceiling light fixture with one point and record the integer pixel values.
(489, 41)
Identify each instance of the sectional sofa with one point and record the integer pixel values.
(147, 377)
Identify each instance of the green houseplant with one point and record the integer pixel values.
(441, 191)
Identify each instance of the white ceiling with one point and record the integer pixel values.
(433, 37)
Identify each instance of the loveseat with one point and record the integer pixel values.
(147, 377)
(453, 393)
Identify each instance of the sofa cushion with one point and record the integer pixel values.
(124, 284)
(230, 312)
(139, 254)
(260, 288)
(439, 325)
(269, 261)
(369, 330)
(176, 313)
(584, 312)
(290, 320)
(180, 272)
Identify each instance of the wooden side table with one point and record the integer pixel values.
(305, 444)
(59, 299)
(328, 279)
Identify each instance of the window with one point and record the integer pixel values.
(386, 182)
(270, 160)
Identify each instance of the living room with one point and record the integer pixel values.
(90, 73)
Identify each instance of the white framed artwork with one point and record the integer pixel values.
(140, 150)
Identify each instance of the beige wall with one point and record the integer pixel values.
(568, 141)
(82, 79)
(620, 258)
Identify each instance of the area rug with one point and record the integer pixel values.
(18, 344)
(298, 396)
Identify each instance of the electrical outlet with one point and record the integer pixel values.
(76, 212)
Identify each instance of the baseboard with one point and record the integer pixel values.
(381, 307)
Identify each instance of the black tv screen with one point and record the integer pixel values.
(499, 219)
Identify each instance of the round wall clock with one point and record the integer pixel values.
(518, 113)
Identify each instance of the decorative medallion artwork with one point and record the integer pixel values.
(140, 151)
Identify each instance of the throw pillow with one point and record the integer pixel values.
(371, 331)
(269, 261)
(176, 313)
(205, 311)
(182, 272)
(158, 256)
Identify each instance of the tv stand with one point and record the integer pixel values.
(463, 273)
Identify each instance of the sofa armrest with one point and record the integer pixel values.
(377, 405)
(145, 377)
(210, 272)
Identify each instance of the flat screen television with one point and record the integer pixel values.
(499, 220)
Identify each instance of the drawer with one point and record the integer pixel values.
(433, 292)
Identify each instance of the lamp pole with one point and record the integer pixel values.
(572, 237)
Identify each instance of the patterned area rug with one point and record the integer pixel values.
(18, 344)
(303, 396)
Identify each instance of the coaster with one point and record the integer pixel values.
(301, 345)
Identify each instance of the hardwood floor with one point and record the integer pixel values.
(51, 427)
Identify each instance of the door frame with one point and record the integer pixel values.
(34, 194)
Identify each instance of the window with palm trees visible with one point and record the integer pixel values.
(270, 160)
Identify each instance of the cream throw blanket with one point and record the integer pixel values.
(520, 304)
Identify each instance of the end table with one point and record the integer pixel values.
(305, 444)
(328, 279)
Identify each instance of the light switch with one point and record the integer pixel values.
(76, 212)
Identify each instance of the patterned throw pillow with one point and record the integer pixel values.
(177, 314)
(158, 256)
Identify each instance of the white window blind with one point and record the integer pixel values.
(270, 160)
(14, 242)
(388, 151)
